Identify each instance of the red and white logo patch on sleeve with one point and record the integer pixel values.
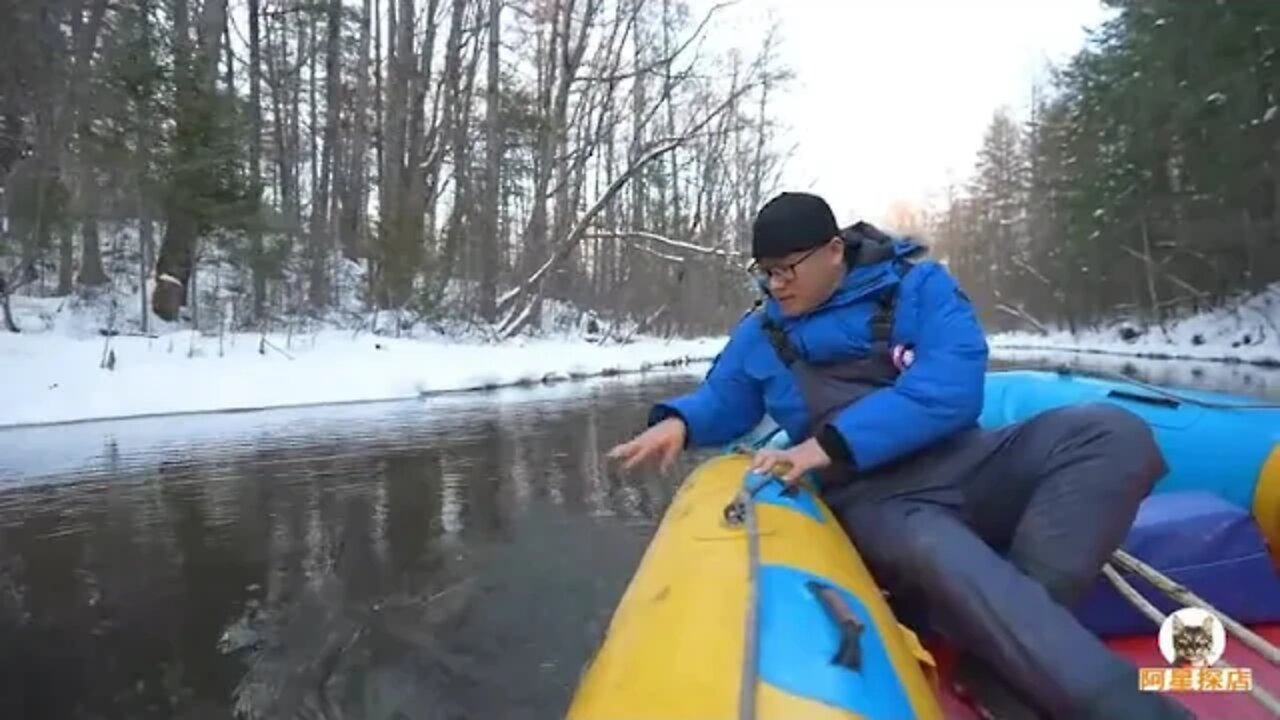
(903, 357)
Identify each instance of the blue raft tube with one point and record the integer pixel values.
(1212, 523)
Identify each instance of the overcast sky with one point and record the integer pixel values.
(891, 95)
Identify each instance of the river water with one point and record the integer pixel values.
(450, 558)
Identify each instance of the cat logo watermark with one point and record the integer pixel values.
(1192, 641)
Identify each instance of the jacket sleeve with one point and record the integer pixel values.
(726, 405)
(939, 394)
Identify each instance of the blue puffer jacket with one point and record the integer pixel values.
(940, 393)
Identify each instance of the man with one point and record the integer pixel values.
(876, 364)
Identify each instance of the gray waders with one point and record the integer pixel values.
(993, 534)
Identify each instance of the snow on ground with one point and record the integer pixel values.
(85, 357)
(54, 371)
(56, 379)
(1246, 331)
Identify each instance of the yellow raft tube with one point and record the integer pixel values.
(723, 623)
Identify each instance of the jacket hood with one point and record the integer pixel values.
(867, 244)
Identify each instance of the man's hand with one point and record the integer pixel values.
(793, 462)
(664, 440)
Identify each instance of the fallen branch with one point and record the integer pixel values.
(579, 230)
(1023, 316)
(1180, 593)
(514, 321)
(1131, 594)
(669, 242)
(1016, 310)
(1171, 301)
(662, 256)
(643, 324)
(264, 343)
(1168, 275)
(515, 318)
(21, 275)
(1144, 606)
(1030, 270)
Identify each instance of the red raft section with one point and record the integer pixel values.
(1142, 651)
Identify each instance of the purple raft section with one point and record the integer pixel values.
(1200, 540)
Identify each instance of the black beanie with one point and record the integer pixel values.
(791, 222)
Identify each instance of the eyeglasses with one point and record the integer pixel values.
(786, 272)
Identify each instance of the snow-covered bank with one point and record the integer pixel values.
(1247, 331)
(59, 377)
(86, 357)
(62, 368)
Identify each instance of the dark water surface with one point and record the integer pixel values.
(449, 559)
(455, 558)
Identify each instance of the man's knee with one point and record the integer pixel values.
(1117, 422)
(1130, 441)
(1106, 462)
(1121, 437)
(1099, 419)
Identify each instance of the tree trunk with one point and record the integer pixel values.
(542, 168)
(492, 168)
(62, 112)
(91, 270)
(321, 238)
(66, 260)
(147, 243)
(353, 206)
(256, 249)
(184, 221)
(456, 109)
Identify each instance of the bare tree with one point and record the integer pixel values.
(184, 221)
(290, 150)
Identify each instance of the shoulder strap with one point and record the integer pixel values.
(778, 339)
(882, 319)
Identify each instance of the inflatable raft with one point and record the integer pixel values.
(1221, 444)
(1212, 523)
(760, 609)
(749, 603)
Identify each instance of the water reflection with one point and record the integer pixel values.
(451, 559)
(1235, 378)
(414, 564)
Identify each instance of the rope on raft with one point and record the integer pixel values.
(747, 686)
(1168, 586)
